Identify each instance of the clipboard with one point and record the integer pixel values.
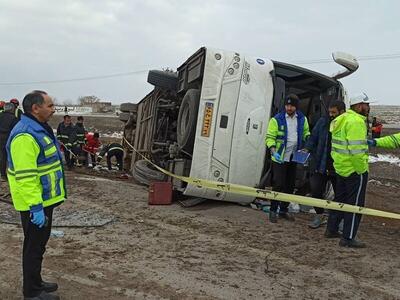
(300, 157)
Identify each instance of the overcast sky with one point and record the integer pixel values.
(44, 40)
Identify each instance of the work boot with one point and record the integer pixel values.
(49, 286)
(273, 217)
(332, 234)
(43, 296)
(317, 221)
(287, 216)
(351, 243)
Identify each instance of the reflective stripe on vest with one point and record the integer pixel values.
(115, 148)
(49, 167)
(395, 141)
(349, 147)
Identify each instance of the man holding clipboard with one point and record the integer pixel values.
(286, 134)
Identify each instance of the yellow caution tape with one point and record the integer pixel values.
(272, 195)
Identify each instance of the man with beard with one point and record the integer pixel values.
(321, 163)
(287, 132)
(350, 159)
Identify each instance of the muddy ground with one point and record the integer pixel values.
(212, 251)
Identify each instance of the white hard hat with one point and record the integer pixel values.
(359, 98)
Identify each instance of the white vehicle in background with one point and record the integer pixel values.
(209, 119)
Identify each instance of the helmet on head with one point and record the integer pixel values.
(14, 101)
(360, 98)
(2, 103)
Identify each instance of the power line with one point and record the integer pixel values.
(76, 79)
(360, 58)
(300, 62)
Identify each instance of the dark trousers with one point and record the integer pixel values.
(35, 240)
(119, 155)
(69, 159)
(376, 135)
(283, 180)
(349, 190)
(318, 183)
(3, 157)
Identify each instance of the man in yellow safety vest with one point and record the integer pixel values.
(37, 185)
(350, 160)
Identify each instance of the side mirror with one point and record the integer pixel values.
(346, 60)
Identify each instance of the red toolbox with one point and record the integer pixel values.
(160, 193)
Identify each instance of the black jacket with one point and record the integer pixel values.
(80, 134)
(66, 134)
(7, 123)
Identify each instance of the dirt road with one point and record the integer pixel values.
(212, 251)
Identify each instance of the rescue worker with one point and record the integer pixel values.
(80, 132)
(287, 132)
(80, 138)
(92, 145)
(18, 111)
(7, 122)
(321, 163)
(389, 142)
(37, 186)
(66, 134)
(2, 103)
(350, 159)
(376, 128)
(112, 150)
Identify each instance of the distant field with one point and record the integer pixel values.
(389, 114)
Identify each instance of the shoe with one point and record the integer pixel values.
(317, 222)
(351, 243)
(332, 234)
(287, 216)
(49, 287)
(273, 217)
(43, 296)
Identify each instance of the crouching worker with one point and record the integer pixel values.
(37, 186)
(112, 150)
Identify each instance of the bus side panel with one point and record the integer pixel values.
(215, 70)
(252, 117)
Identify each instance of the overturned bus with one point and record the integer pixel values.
(209, 118)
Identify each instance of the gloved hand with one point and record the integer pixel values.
(277, 156)
(37, 215)
(371, 142)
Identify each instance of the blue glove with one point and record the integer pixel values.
(371, 142)
(277, 156)
(37, 215)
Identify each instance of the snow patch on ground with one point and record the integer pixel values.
(117, 135)
(385, 158)
(91, 178)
